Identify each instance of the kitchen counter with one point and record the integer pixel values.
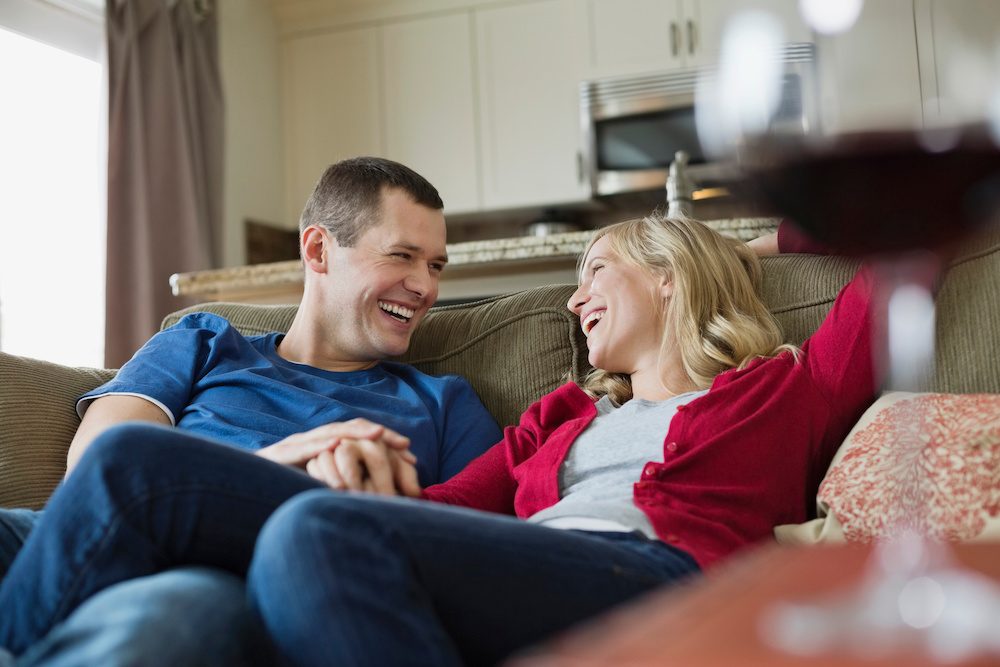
(475, 268)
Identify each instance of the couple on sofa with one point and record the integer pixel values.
(698, 432)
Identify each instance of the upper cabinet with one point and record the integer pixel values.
(529, 73)
(332, 108)
(958, 43)
(631, 36)
(429, 109)
(484, 103)
(869, 77)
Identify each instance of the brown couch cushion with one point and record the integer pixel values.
(37, 421)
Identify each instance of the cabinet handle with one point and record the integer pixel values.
(674, 38)
(692, 37)
(579, 166)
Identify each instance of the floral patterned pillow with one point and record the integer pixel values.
(925, 462)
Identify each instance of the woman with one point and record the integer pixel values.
(606, 506)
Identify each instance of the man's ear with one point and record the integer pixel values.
(316, 247)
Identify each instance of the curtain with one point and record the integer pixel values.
(165, 157)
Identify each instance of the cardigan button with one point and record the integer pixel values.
(671, 446)
(649, 470)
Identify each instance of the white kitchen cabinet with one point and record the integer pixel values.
(630, 36)
(711, 17)
(331, 106)
(430, 105)
(958, 42)
(402, 91)
(869, 75)
(635, 35)
(530, 65)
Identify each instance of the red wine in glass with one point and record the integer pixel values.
(875, 193)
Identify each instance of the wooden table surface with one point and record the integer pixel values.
(715, 620)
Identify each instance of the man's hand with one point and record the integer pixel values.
(375, 458)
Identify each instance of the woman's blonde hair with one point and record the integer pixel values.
(715, 316)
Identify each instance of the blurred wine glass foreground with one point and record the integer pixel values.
(892, 195)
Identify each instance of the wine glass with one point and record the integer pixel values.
(890, 195)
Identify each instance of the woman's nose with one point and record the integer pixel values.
(577, 300)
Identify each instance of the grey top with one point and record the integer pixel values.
(606, 460)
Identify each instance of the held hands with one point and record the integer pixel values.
(357, 455)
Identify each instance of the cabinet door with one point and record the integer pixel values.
(869, 78)
(430, 105)
(529, 74)
(963, 47)
(331, 106)
(629, 36)
(705, 22)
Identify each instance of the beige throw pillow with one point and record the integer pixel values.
(929, 462)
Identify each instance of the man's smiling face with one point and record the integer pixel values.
(380, 289)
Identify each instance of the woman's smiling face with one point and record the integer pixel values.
(622, 311)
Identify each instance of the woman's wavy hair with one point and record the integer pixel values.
(715, 316)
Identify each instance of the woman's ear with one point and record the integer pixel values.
(315, 247)
(666, 287)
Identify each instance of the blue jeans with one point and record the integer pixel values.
(191, 616)
(187, 616)
(144, 498)
(345, 579)
(367, 580)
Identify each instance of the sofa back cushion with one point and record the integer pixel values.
(37, 422)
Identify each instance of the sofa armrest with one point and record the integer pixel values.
(37, 422)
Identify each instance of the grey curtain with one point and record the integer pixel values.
(165, 160)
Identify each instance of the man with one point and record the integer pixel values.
(319, 398)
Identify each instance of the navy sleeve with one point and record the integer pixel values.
(166, 368)
(469, 430)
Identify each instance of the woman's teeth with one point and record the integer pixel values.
(591, 321)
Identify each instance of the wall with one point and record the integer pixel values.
(249, 60)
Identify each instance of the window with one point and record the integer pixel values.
(52, 219)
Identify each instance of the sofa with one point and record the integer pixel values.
(515, 348)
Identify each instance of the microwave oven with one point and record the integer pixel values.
(632, 126)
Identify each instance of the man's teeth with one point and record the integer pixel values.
(591, 320)
(399, 312)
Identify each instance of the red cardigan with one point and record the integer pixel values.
(745, 457)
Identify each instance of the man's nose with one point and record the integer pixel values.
(420, 281)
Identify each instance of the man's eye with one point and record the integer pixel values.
(437, 267)
(403, 255)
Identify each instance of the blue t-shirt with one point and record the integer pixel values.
(213, 381)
